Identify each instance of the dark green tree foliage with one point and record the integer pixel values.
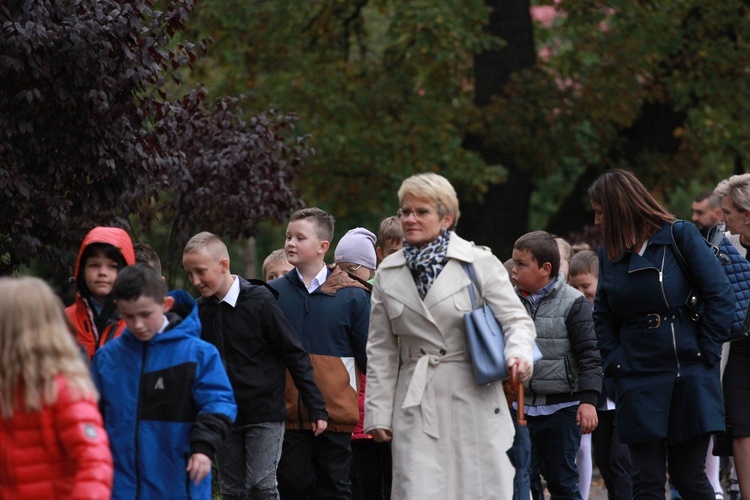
(89, 137)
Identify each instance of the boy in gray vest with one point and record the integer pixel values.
(560, 399)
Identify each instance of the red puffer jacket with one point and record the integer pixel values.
(60, 452)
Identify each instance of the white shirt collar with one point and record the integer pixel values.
(233, 293)
(318, 280)
(163, 326)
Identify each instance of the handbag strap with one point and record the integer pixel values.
(469, 270)
(680, 259)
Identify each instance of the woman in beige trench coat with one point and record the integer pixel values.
(449, 435)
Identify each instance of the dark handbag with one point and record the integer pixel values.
(485, 337)
(737, 269)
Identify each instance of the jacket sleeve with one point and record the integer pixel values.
(214, 400)
(714, 288)
(282, 335)
(518, 327)
(580, 326)
(606, 324)
(359, 333)
(382, 369)
(80, 430)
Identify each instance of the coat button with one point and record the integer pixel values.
(442, 352)
(618, 367)
(699, 355)
(497, 410)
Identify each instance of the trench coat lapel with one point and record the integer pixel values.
(402, 288)
(452, 278)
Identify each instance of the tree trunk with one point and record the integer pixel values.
(504, 214)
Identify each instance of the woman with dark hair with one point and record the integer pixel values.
(664, 357)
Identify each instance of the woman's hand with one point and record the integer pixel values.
(381, 435)
(524, 368)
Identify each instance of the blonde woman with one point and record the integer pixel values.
(52, 443)
(735, 205)
(449, 435)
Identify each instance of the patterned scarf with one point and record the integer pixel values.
(427, 262)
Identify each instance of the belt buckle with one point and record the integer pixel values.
(658, 321)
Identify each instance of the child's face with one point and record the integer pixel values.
(585, 283)
(144, 316)
(207, 273)
(277, 269)
(527, 274)
(389, 247)
(357, 270)
(302, 245)
(100, 273)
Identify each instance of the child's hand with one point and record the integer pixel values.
(199, 466)
(587, 418)
(319, 426)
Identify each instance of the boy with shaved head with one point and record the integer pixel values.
(257, 345)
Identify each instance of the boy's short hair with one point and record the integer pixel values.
(321, 220)
(207, 242)
(139, 280)
(390, 230)
(566, 250)
(583, 262)
(543, 247)
(147, 255)
(580, 247)
(106, 249)
(278, 255)
(508, 265)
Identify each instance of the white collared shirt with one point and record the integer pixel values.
(163, 326)
(233, 293)
(318, 280)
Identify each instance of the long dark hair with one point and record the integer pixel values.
(631, 215)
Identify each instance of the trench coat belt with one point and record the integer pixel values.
(421, 394)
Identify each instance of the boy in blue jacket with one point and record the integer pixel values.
(165, 396)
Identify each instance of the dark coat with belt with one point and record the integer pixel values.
(665, 364)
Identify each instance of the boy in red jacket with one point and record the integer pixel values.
(94, 316)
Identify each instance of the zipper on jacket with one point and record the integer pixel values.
(186, 458)
(300, 418)
(674, 346)
(569, 374)
(671, 325)
(661, 279)
(138, 422)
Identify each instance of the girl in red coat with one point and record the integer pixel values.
(52, 443)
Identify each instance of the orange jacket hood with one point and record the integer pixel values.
(115, 236)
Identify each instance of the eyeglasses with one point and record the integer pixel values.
(418, 213)
(352, 269)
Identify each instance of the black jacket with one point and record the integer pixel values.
(257, 345)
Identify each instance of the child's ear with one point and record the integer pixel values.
(224, 263)
(168, 303)
(546, 268)
(379, 253)
(324, 246)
